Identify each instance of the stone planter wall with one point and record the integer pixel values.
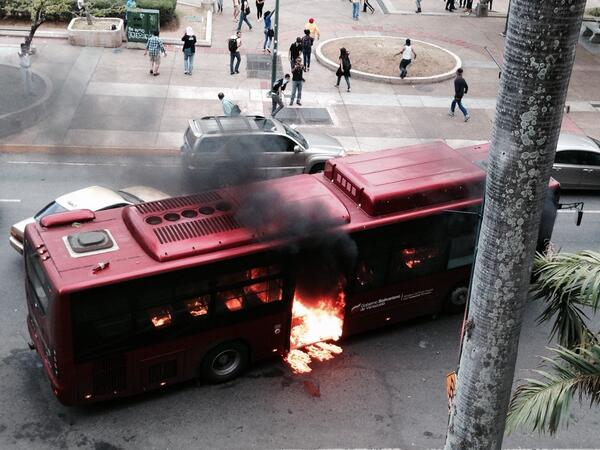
(96, 38)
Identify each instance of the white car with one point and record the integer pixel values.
(95, 198)
(577, 162)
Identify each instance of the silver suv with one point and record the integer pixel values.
(232, 149)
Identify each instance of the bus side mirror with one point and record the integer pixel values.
(578, 217)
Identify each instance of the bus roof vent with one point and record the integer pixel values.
(184, 226)
(90, 243)
(169, 204)
(406, 179)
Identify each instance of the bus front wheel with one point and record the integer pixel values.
(456, 300)
(224, 362)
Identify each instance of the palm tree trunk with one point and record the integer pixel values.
(539, 54)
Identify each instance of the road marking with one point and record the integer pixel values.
(63, 163)
(585, 211)
(10, 200)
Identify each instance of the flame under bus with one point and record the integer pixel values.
(132, 299)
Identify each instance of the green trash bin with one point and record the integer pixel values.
(142, 23)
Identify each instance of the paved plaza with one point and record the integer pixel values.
(105, 98)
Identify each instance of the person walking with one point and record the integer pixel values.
(244, 13)
(366, 5)
(220, 6)
(297, 80)
(469, 7)
(418, 3)
(408, 54)
(306, 49)
(268, 30)
(277, 94)
(189, 49)
(355, 9)
(344, 68)
(450, 5)
(460, 89)
(259, 8)
(313, 28)
(229, 108)
(154, 47)
(234, 43)
(490, 3)
(295, 51)
(236, 10)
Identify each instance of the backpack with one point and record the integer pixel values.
(236, 111)
(306, 43)
(233, 45)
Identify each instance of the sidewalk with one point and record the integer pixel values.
(105, 98)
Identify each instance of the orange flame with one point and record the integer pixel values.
(313, 323)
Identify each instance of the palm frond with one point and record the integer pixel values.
(567, 283)
(541, 405)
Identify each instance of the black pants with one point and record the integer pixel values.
(259, 7)
(403, 65)
(450, 5)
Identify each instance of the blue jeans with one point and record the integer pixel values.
(233, 56)
(243, 18)
(458, 101)
(188, 62)
(296, 87)
(306, 54)
(355, 10)
(268, 40)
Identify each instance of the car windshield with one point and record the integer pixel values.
(50, 208)
(130, 197)
(295, 135)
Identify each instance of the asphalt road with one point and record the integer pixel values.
(385, 390)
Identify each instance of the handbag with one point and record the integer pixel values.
(270, 32)
(339, 72)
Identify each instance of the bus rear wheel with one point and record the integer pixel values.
(224, 362)
(456, 300)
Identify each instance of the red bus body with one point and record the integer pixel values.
(379, 199)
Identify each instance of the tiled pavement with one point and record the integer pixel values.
(106, 98)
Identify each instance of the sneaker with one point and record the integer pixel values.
(298, 103)
(292, 103)
(467, 117)
(237, 71)
(451, 114)
(336, 85)
(348, 90)
(269, 51)
(151, 71)
(232, 73)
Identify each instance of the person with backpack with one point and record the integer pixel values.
(230, 109)
(234, 44)
(294, 51)
(306, 49)
(268, 30)
(277, 94)
(408, 54)
(297, 80)
(189, 49)
(344, 68)
(244, 13)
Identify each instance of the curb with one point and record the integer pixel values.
(52, 149)
(387, 79)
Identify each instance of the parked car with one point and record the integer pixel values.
(96, 198)
(230, 148)
(577, 162)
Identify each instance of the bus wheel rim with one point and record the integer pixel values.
(226, 362)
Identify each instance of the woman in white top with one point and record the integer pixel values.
(408, 54)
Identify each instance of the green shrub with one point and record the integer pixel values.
(166, 8)
(593, 12)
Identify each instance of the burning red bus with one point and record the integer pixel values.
(128, 300)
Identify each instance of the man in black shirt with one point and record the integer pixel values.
(277, 92)
(460, 89)
(295, 51)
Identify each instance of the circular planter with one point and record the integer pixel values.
(99, 34)
(26, 115)
(452, 60)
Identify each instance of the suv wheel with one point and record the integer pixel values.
(320, 167)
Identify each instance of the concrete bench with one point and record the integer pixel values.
(592, 30)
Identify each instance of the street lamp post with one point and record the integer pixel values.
(275, 41)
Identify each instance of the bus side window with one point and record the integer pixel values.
(264, 292)
(410, 262)
(461, 251)
(370, 273)
(231, 300)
